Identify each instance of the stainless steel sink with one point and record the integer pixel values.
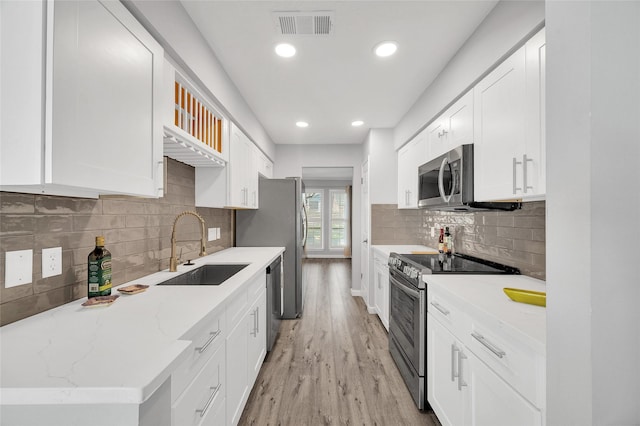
(206, 275)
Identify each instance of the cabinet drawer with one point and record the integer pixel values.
(204, 395)
(510, 359)
(447, 311)
(206, 338)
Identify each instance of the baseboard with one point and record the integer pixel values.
(356, 293)
(372, 310)
(326, 256)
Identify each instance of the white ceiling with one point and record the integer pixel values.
(336, 79)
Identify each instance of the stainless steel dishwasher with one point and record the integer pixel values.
(274, 301)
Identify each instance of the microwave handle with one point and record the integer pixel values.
(444, 196)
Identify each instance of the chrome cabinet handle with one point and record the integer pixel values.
(524, 173)
(215, 390)
(257, 320)
(454, 372)
(461, 382)
(493, 348)
(254, 332)
(213, 334)
(515, 164)
(442, 309)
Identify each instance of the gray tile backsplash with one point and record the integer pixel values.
(137, 232)
(514, 238)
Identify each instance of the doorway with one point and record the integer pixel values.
(328, 201)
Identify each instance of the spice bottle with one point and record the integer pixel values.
(441, 241)
(99, 278)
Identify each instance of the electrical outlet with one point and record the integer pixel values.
(211, 234)
(51, 262)
(18, 268)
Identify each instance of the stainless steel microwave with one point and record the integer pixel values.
(446, 183)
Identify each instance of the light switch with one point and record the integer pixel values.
(51, 262)
(211, 234)
(18, 268)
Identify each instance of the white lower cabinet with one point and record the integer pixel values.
(257, 324)
(246, 345)
(212, 385)
(491, 401)
(381, 287)
(204, 395)
(445, 392)
(237, 371)
(479, 379)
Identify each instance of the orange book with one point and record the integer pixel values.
(219, 146)
(198, 119)
(176, 115)
(189, 126)
(208, 128)
(182, 110)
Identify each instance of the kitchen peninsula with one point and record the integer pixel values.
(117, 364)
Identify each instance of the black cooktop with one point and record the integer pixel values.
(457, 264)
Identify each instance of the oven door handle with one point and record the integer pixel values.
(404, 288)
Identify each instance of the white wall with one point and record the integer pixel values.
(593, 209)
(383, 166)
(172, 27)
(507, 26)
(292, 158)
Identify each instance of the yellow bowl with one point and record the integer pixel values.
(526, 296)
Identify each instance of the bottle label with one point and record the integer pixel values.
(100, 277)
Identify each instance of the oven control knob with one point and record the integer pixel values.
(413, 273)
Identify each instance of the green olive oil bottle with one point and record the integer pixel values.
(99, 270)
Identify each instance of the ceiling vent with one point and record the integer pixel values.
(306, 23)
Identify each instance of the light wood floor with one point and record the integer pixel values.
(332, 366)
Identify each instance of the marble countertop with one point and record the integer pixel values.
(402, 249)
(482, 296)
(116, 354)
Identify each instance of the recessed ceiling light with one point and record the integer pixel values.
(285, 50)
(385, 48)
(357, 123)
(302, 124)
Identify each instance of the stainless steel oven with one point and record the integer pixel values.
(407, 333)
(408, 309)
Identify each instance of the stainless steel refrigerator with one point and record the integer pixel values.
(280, 221)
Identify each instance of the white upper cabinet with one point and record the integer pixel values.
(410, 157)
(265, 166)
(243, 172)
(81, 100)
(236, 185)
(451, 129)
(509, 127)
